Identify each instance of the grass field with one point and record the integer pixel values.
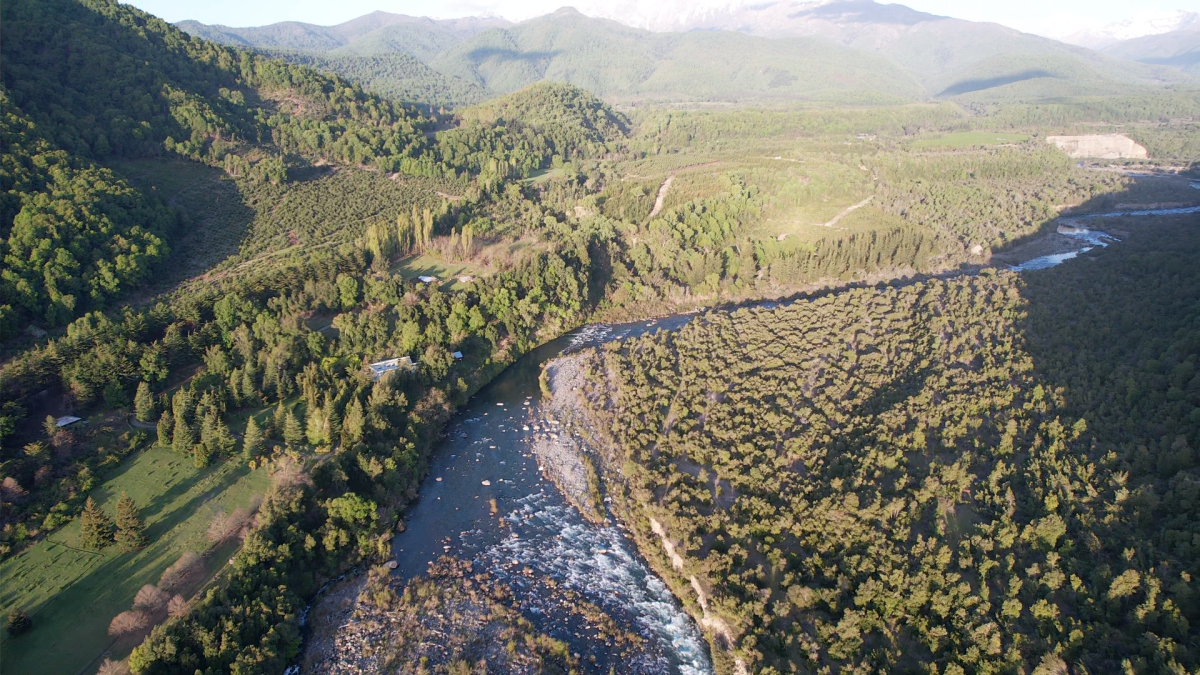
(72, 594)
(433, 265)
(969, 139)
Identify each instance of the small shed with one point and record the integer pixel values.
(381, 368)
(66, 421)
(457, 356)
(427, 279)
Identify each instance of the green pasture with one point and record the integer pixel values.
(433, 265)
(544, 175)
(970, 139)
(72, 594)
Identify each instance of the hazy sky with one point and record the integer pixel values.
(1040, 16)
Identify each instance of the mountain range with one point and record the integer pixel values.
(847, 51)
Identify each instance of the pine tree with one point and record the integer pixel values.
(252, 441)
(354, 422)
(183, 438)
(130, 529)
(249, 389)
(280, 416)
(318, 426)
(143, 402)
(293, 430)
(95, 527)
(165, 425)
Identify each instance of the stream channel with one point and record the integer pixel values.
(486, 501)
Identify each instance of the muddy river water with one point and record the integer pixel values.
(486, 501)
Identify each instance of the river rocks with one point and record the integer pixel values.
(451, 619)
(561, 456)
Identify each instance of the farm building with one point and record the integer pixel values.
(380, 368)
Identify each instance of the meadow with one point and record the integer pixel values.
(72, 594)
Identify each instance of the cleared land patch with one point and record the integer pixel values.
(72, 594)
(968, 139)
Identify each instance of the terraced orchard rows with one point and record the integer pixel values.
(975, 475)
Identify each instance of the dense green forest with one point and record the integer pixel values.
(203, 246)
(975, 475)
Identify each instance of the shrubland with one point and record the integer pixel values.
(980, 474)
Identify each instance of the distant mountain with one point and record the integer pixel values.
(614, 60)
(1139, 25)
(1180, 49)
(374, 33)
(948, 56)
(841, 50)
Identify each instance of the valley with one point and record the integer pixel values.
(563, 346)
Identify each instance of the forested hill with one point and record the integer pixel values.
(92, 83)
(89, 82)
(978, 475)
(841, 51)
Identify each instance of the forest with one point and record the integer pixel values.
(203, 247)
(982, 474)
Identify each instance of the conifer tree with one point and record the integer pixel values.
(166, 424)
(182, 438)
(143, 402)
(248, 388)
(95, 527)
(252, 441)
(280, 417)
(130, 529)
(293, 430)
(354, 422)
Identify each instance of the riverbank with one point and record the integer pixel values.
(558, 443)
(586, 404)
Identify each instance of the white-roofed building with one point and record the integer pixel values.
(381, 368)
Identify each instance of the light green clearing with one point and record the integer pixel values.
(435, 266)
(72, 594)
(544, 175)
(966, 139)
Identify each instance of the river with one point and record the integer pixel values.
(486, 501)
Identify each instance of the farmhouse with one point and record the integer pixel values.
(380, 368)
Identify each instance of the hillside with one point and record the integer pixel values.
(984, 473)
(616, 61)
(397, 76)
(948, 56)
(883, 52)
(373, 33)
(211, 256)
(1179, 49)
(91, 82)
